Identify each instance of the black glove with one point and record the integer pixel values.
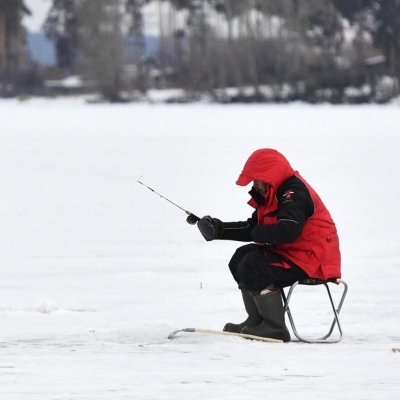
(209, 227)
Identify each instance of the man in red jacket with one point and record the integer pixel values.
(293, 235)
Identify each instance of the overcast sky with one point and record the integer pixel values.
(39, 10)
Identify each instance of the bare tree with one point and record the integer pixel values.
(221, 43)
(232, 49)
(133, 8)
(102, 45)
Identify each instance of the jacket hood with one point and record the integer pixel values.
(267, 165)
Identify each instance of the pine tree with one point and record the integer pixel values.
(62, 26)
(387, 33)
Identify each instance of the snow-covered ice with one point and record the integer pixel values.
(96, 270)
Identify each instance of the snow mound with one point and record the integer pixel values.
(46, 306)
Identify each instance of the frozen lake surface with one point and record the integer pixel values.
(96, 270)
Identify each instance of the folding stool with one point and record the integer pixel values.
(312, 282)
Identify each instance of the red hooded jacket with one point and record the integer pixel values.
(316, 249)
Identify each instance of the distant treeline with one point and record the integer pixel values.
(234, 50)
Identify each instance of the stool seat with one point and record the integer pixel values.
(336, 311)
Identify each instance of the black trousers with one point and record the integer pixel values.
(255, 267)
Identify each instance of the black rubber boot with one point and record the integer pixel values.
(253, 318)
(272, 312)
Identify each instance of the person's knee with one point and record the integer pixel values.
(237, 258)
(250, 275)
(239, 253)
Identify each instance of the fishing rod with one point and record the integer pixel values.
(191, 219)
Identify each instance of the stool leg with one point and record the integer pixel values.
(340, 281)
(336, 312)
(323, 339)
(287, 310)
(335, 318)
